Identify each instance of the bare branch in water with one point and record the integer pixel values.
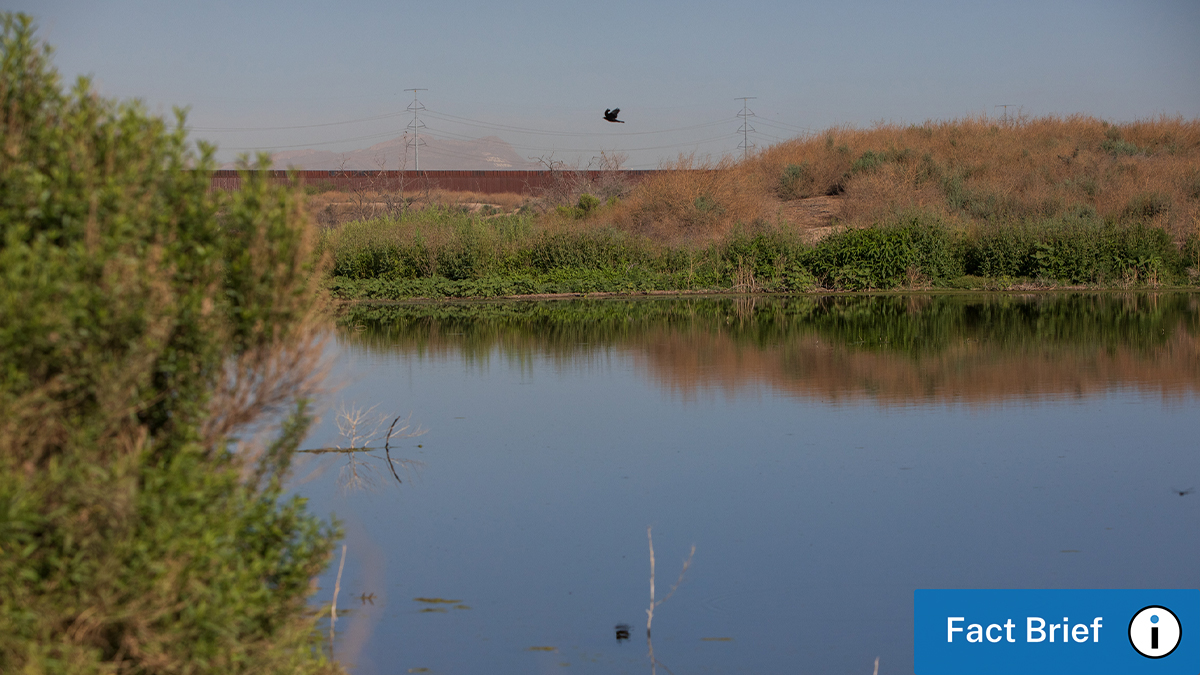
(360, 430)
(387, 452)
(337, 586)
(655, 603)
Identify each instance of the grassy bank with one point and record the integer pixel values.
(964, 204)
(441, 253)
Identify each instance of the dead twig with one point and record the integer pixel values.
(337, 586)
(360, 431)
(387, 452)
(655, 603)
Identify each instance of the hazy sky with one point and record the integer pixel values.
(539, 73)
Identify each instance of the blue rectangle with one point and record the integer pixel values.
(1009, 632)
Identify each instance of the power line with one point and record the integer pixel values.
(446, 117)
(416, 125)
(308, 145)
(418, 128)
(785, 126)
(449, 135)
(297, 126)
(1006, 106)
(745, 129)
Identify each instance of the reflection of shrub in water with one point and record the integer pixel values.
(916, 347)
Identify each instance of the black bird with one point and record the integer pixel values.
(622, 631)
(611, 115)
(1183, 493)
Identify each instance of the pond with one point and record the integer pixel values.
(826, 456)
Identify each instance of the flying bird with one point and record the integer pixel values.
(611, 115)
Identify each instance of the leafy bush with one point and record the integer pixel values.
(887, 256)
(795, 182)
(1002, 252)
(868, 162)
(587, 203)
(146, 321)
(1076, 251)
(1119, 148)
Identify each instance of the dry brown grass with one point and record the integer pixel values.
(1022, 169)
(695, 200)
(970, 171)
(335, 207)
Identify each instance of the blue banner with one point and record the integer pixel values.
(1056, 632)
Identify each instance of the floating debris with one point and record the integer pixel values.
(367, 597)
(542, 649)
(436, 601)
(719, 639)
(622, 631)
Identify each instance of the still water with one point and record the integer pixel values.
(826, 456)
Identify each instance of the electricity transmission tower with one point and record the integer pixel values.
(1005, 106)
(745, 129)
(416, 125)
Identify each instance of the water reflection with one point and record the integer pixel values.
(827, 456)
(890, 349)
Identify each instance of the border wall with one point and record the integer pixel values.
(487, 182)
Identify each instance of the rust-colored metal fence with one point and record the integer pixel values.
(487, 182)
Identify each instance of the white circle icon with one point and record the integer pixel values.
(1155, 631)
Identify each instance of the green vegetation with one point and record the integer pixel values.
(905, 324)
(442, 253)
(146, 323)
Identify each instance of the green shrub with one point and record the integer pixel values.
(868, 162)
(1148, 205)
(146, 321)
(1076, 250)
(588, 204)
(1002, 252)
(1119, 148)
(928, 170)
(795, 182)
(887, 256)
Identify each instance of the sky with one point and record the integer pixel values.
(540, 73)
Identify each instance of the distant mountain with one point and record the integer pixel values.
(436, 154)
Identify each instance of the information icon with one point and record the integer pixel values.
(1155, 632)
